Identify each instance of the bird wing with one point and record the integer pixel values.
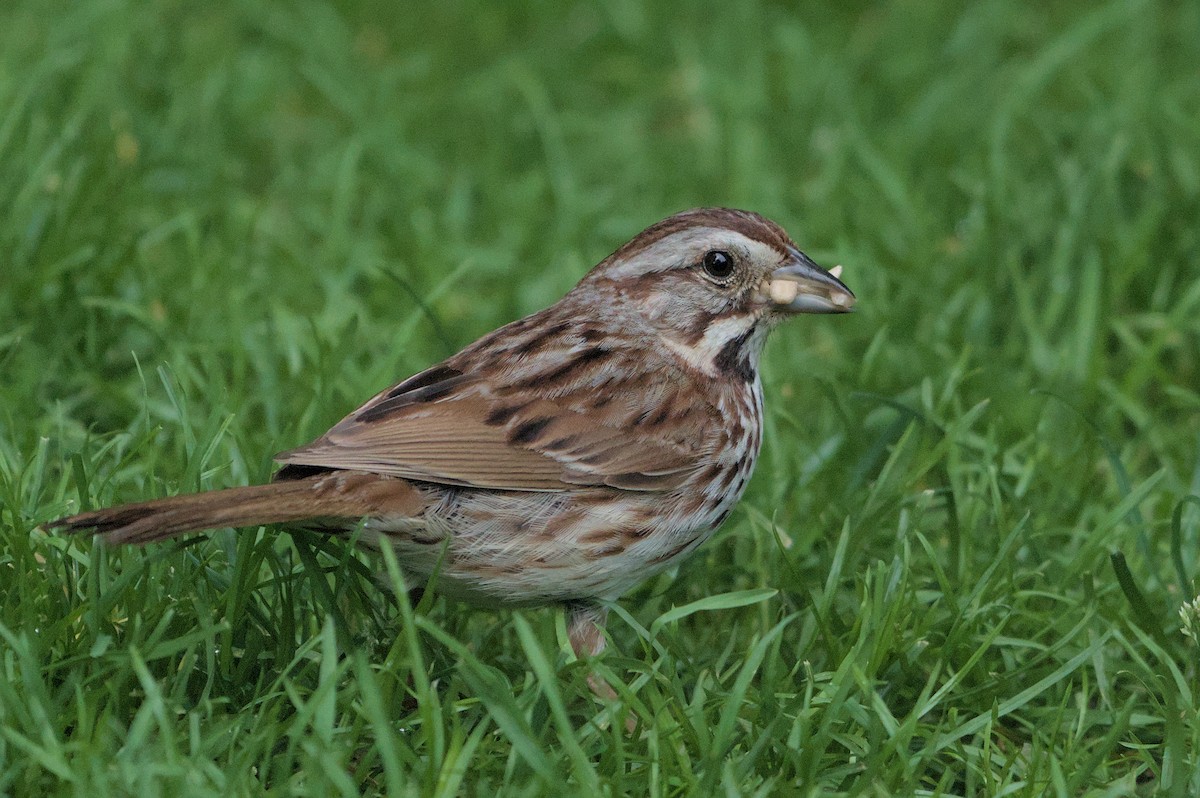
(528, 427)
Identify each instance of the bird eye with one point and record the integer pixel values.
(718, 264)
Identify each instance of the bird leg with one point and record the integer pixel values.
(585, 630)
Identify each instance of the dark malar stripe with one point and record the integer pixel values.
(733, 359)
(694, 333)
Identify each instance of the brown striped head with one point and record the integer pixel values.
(713, 281)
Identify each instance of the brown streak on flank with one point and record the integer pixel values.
(610, 547)
(736, 430)
(673, 553)
(717, 471)
(562, 520)
(596, 536)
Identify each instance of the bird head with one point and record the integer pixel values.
(712, 282)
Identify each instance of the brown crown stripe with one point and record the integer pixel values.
(747, 223)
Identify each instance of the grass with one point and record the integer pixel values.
(960, 567)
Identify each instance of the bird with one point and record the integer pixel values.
(564, 458)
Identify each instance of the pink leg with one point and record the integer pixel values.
(585, 629)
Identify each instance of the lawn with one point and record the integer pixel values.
(967, 561)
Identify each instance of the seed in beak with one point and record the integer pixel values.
(783, 291)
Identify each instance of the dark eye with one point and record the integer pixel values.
(718, 264)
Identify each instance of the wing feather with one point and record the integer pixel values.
(448, 425)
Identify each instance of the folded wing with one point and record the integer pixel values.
(448, 425)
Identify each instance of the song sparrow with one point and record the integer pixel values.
(567, 456)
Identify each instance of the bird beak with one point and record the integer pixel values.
(801, 286)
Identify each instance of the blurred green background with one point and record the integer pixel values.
(225, 225)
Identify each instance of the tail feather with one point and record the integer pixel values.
(348, 495)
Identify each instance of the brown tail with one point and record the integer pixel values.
(346, 495)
